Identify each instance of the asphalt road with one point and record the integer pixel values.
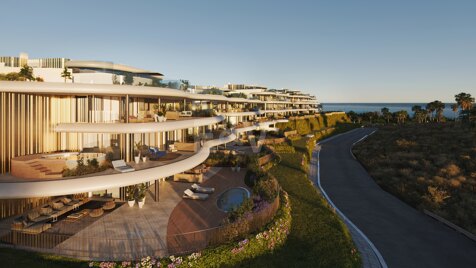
(404, 236)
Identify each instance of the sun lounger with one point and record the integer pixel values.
(121, 166)
(189, 194)
(199, 189)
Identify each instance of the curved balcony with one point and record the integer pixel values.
(132, 128)
(27, 188)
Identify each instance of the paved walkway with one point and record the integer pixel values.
(404, 236)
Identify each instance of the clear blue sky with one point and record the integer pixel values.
(341, 51)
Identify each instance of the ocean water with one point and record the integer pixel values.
(376, 107)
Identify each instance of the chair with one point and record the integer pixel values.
(121, 166)
(205, 190)
(189, 194)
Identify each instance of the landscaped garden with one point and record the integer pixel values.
(304, 232)
(430, 166)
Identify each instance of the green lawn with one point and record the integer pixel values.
(19, 258)
(318, 238)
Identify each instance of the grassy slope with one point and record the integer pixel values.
(318, 238)
(406, 160)
(20, 258)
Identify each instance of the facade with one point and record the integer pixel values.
(47, 127)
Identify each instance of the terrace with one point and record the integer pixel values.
(170, 226)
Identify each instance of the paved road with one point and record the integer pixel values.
(404, 236)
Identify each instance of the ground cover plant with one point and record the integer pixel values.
(430, 166)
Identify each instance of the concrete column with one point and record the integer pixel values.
(156, 191)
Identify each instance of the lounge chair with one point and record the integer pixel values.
(121, 166)
(189, 194)
(199, 189)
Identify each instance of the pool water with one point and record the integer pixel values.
(232, 198)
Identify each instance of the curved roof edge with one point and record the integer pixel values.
(108, 66)
(136, 127)
(28, 189)
(111, 90)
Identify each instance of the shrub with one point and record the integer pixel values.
(241, 211)
(266, 188)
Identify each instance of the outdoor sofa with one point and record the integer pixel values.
(155, 153)
(121, 166)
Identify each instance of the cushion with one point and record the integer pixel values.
(65, 200)
(57, 205)
(46, 211)
(33, 215)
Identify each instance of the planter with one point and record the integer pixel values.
(238, 169)
(162, 118)
(131, 203)
(141, 203)
(144, 159)
(233, 169)
(137, 159)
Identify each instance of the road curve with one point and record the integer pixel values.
(404, 236)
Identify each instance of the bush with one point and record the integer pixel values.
(267, 189)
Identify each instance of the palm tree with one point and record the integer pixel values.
(439, 108)
(66, 74)
(26, 72)
(386, 114)
(415, 110)
(464, 100)
(430, 107)
(401, 116)
(454, 107)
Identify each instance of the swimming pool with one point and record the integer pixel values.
(232, 198)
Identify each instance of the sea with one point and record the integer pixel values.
(376, 107)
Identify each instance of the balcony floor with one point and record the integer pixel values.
(4, 178)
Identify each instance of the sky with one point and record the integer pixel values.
(340, 51)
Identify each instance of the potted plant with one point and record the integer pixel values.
(137, 152)
(161, 116)
(141, 191)
(145, 154)
(130, 191)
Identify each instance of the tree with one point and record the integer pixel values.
(184, 84)
(26, 72)
(430, 108)
(401, 116)
(420, 116)
(386, 114)
(66, 74)
(455, 108)
(128, 79)
(465, 101)
(415, 109)
(439, 108)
